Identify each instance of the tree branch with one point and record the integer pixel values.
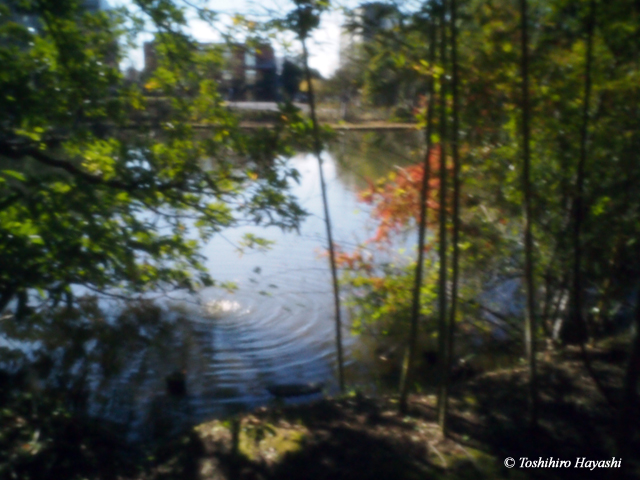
(16, 153)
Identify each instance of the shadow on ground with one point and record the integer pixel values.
(361, 438)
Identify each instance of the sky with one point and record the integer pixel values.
(323, 46)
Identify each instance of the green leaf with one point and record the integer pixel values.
(14, 174)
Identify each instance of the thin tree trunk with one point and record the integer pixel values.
(442, 290)
(579, 322)
(407, 375)
(557, 317)
(548, 299)
(607, 287)
(549, 293)
(578, 319)
(332, 255)
(456, 210)
(530, 320)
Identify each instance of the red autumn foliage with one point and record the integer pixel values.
(353, 261)
(396, 198)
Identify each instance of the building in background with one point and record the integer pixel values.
(252, 73)
(247, 72)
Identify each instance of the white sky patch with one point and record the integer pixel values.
(325, 46)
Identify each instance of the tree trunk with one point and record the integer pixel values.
(442, 290)
(408, 366)
(332, 255)
(530, 320)
(456, 207)
(579, 322)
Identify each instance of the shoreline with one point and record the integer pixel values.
(364, 126)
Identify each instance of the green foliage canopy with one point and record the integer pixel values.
(99, 185)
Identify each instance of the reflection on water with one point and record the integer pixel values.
(221, 307)
(277, 327)
(156, 366)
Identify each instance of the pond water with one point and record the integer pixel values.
(278, 327)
